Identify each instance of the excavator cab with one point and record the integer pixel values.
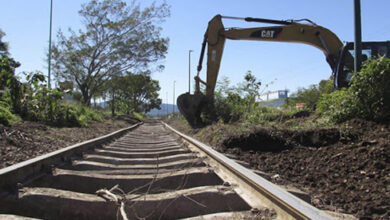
(344, 72)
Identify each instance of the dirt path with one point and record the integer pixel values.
(26, 140)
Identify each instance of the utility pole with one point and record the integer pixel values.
(167, 104)
(49, 65)
(358, 37)
(189, 71)
(173, 106)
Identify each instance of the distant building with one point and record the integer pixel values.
(273, 98)
(272, 95)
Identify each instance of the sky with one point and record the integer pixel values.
(285, 65)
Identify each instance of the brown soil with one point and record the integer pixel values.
(344, 169)
(26, 140)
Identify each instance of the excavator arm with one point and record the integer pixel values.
(286, 31)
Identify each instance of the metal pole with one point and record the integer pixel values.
(189, 71)
(49, 67)
(167, 105)
(173, 106)
(358, 37)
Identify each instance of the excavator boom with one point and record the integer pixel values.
(292, 31)
(310, 34)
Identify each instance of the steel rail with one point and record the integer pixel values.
(279, 199)
(29, 169)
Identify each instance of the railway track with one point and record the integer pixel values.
(152, 172)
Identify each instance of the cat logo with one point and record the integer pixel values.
(267, 34)
(271, 33)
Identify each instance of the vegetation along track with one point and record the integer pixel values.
(152, 172)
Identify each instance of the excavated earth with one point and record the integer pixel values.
(345, 169)
(26, 140)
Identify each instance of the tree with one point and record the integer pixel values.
(9, 82)
(116, 38)
(3, 45)
(250, 88)
(111, 87)
(133, 93)
(140, 93)
(311, 95)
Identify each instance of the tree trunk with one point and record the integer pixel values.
(86, 97)
(113, 105)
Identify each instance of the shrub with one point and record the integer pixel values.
(139, 116)
(261, 114)
(6, 117)
(82, 120)
(90, 114)
(371, 87)
(368, 97)
(75, 115)
(339, 105)
(310, 96)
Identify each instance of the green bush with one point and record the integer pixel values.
(310, 96)
(75, 115)
(6, 117)
(139, 116)
(368, 97)
(90, 114)
(230, 108)
(261, 114)
(339, 105)
(371, 87)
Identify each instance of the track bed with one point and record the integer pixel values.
(149, 173)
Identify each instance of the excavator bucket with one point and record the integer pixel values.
(190, 106)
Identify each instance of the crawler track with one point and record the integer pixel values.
(152, 172)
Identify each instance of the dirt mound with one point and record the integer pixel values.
(316, 137)
(345, 170)
(260, 140)
(276, 140)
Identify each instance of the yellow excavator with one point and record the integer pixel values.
(338, 55)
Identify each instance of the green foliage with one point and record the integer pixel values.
(227, 105)
(40, 103)
(133, 93)
(139, 116)
(262, 115)
(230, 106)
(116, 38)
(338, 106)
(6, 117)
(371, 87)
(89, 113)
(368, 97)
(310, 96)
(66, 86)
(33, 100)
(250, 86)
(76, 115)
(9, 84)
